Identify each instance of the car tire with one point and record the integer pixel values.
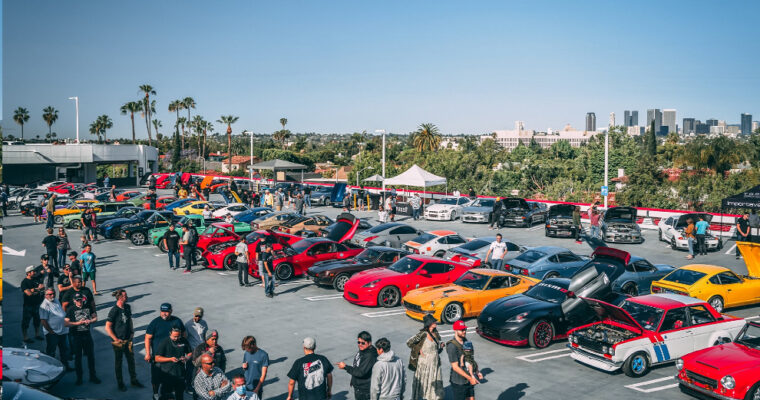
(659, 234)
(138, 238)
(636, 365)
(631, 289)
(673, 244)
(340, 281)
(388, 297)
(76, 224)
(162, 247)
(717, 303)
(453, 312)
(198, 254)
(541, 334)
(552, 274)
(230, 262)
(284, 272)
(753, 393)
(58, 219)
(387, 243)
(439, 254)
(453, 216)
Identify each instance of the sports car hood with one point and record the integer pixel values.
(606, 311)
(420, 296)
(561, 210)
(514, 204)
(728, 358)
(118, 221)
(751, 253)
(441, 207)
(510, 306)
(373, 274)
(323, 266)
(345, 228)
(477, 209)
(621, 214)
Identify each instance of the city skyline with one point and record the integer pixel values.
(341, 67)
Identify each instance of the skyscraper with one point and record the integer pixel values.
(711, 122)
(612, 119)
(746, 128)
(634, 118)
(689, 126)
(669, 121)
(590, 122)
(626, 118)
(654, 114)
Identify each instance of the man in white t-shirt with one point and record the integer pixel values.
(496, 253)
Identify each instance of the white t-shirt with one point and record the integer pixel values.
(497, 250)
(242, 249)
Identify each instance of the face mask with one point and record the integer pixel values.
(240, 390)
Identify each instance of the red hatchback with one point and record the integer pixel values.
(221, 255)
(386, 286)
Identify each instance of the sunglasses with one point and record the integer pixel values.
(361, 342)
(210, 363)
(49, 294)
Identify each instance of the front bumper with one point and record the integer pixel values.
(623, 237)
(560, 230)
(514, 221)
(711, 392)
(361, 296)
(319, 278)
(417, 312)
(475, 218)
(594, 360)
(508, 334)
(437, 215)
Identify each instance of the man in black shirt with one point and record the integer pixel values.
(307, 195)
(266, 259)
(33, 295)
(77, 286)
(120, 328)
(159, 330)
(46, 272)
(462, 383)
(313, 372)
(171, 356)
(64, 282)
(361, 368)
(50, 243)
(74, 264)
(743, 234)
(495, 212)
(171, 243)
(79, 317)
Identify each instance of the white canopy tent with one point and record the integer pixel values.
(417, 177)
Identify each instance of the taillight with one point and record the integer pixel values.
(524, 271)
(416, 251)
(656, 289)
(369, 239)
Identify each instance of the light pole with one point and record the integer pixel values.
(383, 132)
(250, 161)
(606, 163)
(359, 173)
(76, 105)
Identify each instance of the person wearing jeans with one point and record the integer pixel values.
(702, 226)
(120, 328)
(171, 243)
(496, 253)
(241, 251)
(690, 239)
(266, 259)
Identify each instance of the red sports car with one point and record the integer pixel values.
(221, 255)
(161, 202)
(65, 188)
(726, 371)
(386, 286)
(124, 196)
(295, 260)
(218, 232)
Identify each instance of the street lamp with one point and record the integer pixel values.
(250, 161)
(383, 132)
(606, 163)
(359, 173)
(76, 103)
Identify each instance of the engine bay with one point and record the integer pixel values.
(606, 334)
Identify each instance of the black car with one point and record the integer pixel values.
(549, 309)
(618, 225)
(137, 231)
(115, 228)
(336, 273)
(125, 212)
(559, 221)
(519, 212)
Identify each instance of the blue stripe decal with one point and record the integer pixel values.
(665, 351)
(657, 352)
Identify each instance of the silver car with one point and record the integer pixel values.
(390, 234)
(480, 211)
(474, 252)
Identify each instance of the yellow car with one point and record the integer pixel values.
(194, 207)
(74, 207)
(466, 297)
(719, 286)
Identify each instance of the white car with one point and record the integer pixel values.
(232, 208)
(31, 367)
(447, 209)
(671, 229)
(434, 243)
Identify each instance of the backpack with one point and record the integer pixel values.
(415, 344)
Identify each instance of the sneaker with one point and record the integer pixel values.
(241, 284)
(186, 272)
(122, 387)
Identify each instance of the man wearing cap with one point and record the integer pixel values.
(79, 317)
(210, 382)
(33, 296)
(196, 328)
(212, 348)
(46, 272)
(53, 326)
(76, 266)
(462, 383)
(158, 330)
(77, 286)
(313, 372)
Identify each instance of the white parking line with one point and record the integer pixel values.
(638, 386)
(138, 247)
(537, 357)
(224, 273)
(751, 318)
(159, 255)
(731, 250)
(324, 297)
(385, 313)
(535, 228)
(451, 332)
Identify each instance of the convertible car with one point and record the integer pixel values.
(671, 229)
(719, 286)
(466, 296)
(726, 371)
(336, 273)
(386, 286)
(618, 225)
(546, 262)
(552, 307)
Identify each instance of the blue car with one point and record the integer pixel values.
(112, 229)
(546, 262)
(249, 215)
(179, 203)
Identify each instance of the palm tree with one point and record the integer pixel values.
(283, 122)
(95, 129)
(131, 107)
(181, 121)
(50, 115)
(198, 124)
(427, 138)
(208, 127)
(21, 116)
(175, 107)
(281, 136)
(188, 103)
(156, 125)
(229, 120)
(148, 107)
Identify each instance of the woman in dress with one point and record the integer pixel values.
(427, 383)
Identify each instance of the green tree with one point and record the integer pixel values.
(21, 116)
(181, 121)
(156, 124)
(427, 138)
(281, 136)
(650, 141)
(228, 120)
(188, 103)
(148, 108)
(50, 115)
(131, 107)
(283, 122)
(100, 126)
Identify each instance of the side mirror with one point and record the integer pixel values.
(424, 272)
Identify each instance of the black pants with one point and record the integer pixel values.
(740, 238)
(29, 314)
(242, 273)
(172, 387)
(83, 345)
(462, 392)
(701, 247)
(53, 341)
(361, 393)
(124, 351)
(188, 255)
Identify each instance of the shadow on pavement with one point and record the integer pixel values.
(513, 393)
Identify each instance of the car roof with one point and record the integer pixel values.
(550, 249)
(420, 257)
(706, 268)
(385, 249)
(442, 232)
(665, 301)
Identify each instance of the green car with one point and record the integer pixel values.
(199, 222)
(73, 221)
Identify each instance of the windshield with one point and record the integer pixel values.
(684, 276)
(750, 336)
(156, 217)
(474, 244)
(368, 255)
(183, 221)
(301, 246)
(472, 280)
(424, 238)
(448, 201)
(483, 203)
(405, 265)
(530, 256)
(380, 228)
(647, 316)
(209, 230)
(143, 215)
(547, 292)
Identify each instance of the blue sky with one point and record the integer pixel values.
(345, 66)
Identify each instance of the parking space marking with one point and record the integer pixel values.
(731, 250)
(385, 313)
(159, 255)
(451, 332)
(543, 356)
(224, 273)
(639, 386)
(324, 297)
(751, 318)
(137, 247)
(535, 228)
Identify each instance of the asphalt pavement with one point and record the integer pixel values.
(302, 309)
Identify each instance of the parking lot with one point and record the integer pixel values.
(301, 309)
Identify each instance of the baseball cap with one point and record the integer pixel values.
(309, 343)
(78, 296)
(29, 268)
(198, 311)
(73, 253)
(460, 326)
(166, 307)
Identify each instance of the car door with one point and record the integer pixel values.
(319, 252)
(644, 273)
(732, 289)
(401, 234)
(668, 233)
(569, 263)
(454, 241)
(700, 318)
(676, 332)
(435, 273)
(498, 287)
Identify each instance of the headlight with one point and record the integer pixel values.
(553, 221)
(679, 364)
(518, 318)
(728, 382)
(432, 304)
(371, 284)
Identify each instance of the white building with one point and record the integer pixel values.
(510, 139)
(635, 130)
(449, 143)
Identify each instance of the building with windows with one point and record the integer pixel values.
(746, 124)
(590, 122)
(509, 139)
(669, 121)
(630, 118)
(654, 114)
(689, 126)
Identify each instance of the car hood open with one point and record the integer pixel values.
(561, 210)
(621, 214)
(751, 253)
(345, 227)
(694, 217)
(606, 311)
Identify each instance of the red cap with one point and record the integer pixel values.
(460, 326)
